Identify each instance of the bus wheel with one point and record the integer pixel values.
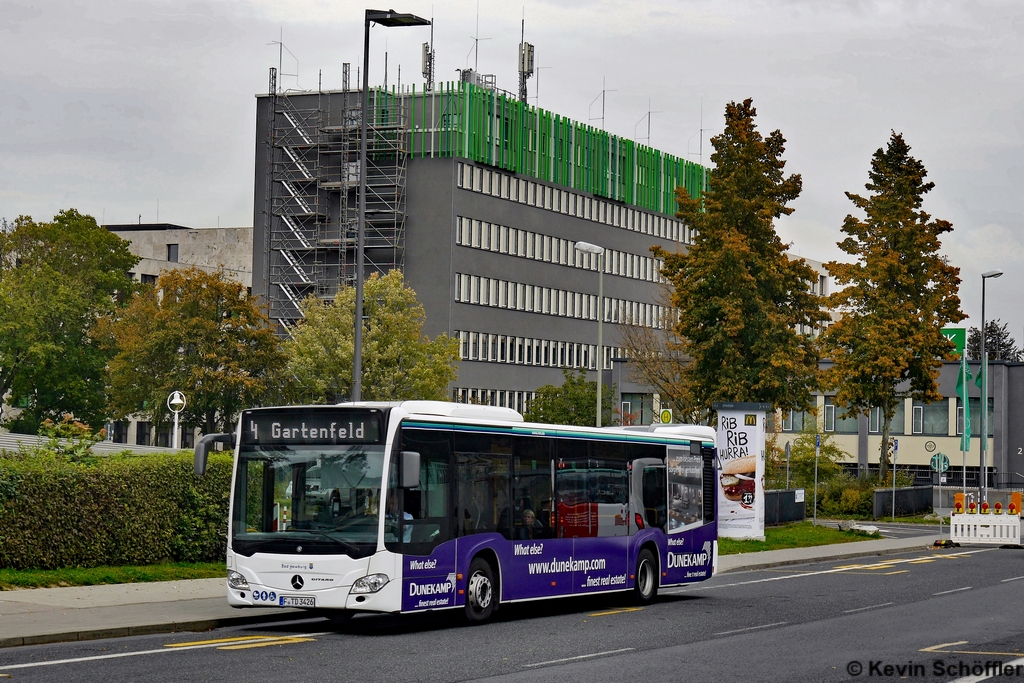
(480, 597)
(646, 587)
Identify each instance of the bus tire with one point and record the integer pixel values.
(645, 589)
(480, 594)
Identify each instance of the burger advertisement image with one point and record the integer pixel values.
(741, 465)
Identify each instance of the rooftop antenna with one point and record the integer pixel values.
(346, 70)
(536, 97)
(428, 56)
(281, 49)
(385, 64)
(648, 117)
(600, 97)
(525, 60)
(476, 42)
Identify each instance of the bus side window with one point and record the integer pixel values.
(483, 462)
(417, 520)
(592, 488)
(532, 489)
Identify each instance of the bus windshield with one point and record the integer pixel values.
(301, 499)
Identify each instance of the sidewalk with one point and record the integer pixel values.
(50, 615)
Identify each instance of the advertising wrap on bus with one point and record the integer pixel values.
(385, 509)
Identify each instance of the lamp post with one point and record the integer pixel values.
(176, 404)
(983, 472)
(588, 248)
(384, 18)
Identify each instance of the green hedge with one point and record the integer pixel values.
(117, 510)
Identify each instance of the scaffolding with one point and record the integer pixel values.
(314, 183)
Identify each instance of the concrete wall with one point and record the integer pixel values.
(209, 249)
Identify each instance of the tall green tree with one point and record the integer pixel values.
(199, 333)
(895, 298)
(56, 279)
(741, 300)
(572, 403)
(999, 343)
(399, 361)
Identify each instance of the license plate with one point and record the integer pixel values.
(295, 601)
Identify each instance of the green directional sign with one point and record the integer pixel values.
(957, 335)
(940, 462)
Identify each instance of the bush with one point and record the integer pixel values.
(118, 510)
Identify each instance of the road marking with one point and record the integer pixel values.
(573, 659)
(1016, 578)
(901, 571)
(861, 609)
(616, 611)
(923, 560)
(750, 628)
(119, 655)
(936, 648)
(834, 570)
(266, 643)
(978, 679)
(220, 640)
(955, 590)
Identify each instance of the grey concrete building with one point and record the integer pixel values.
(480, 200)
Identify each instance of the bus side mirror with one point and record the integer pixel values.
(203, 448)
(410, 468)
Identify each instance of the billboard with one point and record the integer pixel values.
(741, 465)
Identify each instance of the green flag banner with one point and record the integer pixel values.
(963, 378)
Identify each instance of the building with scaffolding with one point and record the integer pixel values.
(479, 198)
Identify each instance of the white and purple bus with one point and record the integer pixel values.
(424, 505)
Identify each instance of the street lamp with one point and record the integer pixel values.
(588, 248)
(984, 390)
(176, 404)
(384, 18)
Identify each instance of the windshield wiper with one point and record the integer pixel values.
(350, 547)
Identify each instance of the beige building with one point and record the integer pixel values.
(162, 247)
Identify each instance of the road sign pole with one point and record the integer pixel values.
(895, 458)
(817, 452)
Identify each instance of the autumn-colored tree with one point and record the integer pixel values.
(199, 333)
(571, 403)
(657, 359)
(399, 362)
(56, 279)
(741, 300)
(895, 299)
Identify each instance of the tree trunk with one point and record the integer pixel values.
(888, 411)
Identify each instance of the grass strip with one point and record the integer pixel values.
(11, 579)
(799, 535)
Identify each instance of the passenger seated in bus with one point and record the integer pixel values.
(531, 528)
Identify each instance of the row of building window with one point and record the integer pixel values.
(531, 193)
(500, 348)
(927, 419)
(517, 400)
(477, 234)
(486, 291)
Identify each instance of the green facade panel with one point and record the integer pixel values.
(466, 121)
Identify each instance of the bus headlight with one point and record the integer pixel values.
(237, 581)
(370, 584)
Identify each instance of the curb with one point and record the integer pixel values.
(827, 558)
(147, 629)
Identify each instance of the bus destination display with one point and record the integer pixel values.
(312, 427)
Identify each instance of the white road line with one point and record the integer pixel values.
(861, 609)
(816, 573)
(978, 679)
(118, 655)
(750, 628)
(955, 590)
(573, 659)
(1016, 578)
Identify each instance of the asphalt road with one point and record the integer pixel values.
(817, 622)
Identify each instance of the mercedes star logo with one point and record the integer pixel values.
(296, 582)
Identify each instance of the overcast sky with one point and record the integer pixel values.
(111, 107)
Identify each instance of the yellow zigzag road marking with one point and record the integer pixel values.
(221, 640)
(616, 611)
(266, 643)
